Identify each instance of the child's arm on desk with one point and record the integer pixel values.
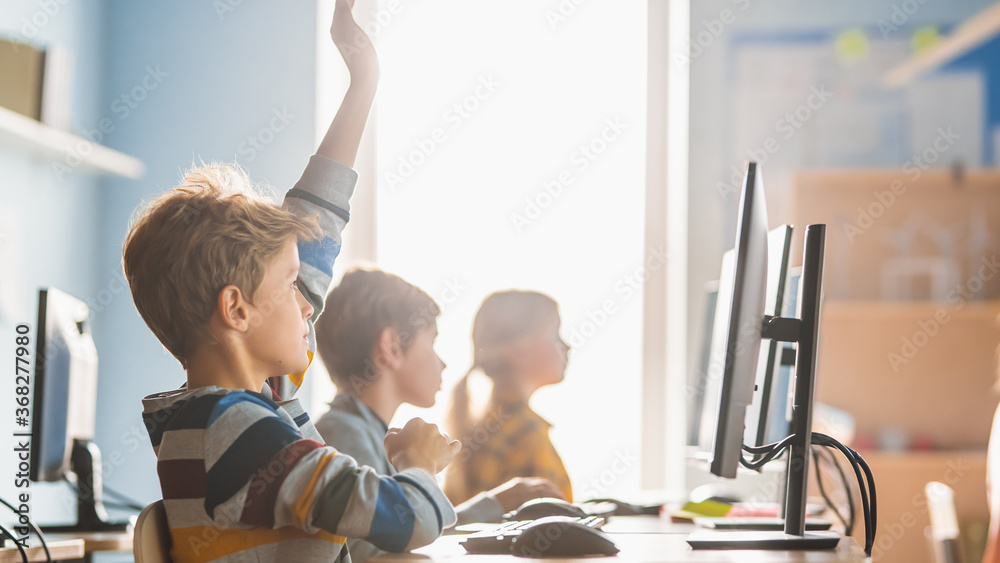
(263, 473)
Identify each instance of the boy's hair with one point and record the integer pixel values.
(214, 229)
(366, 302)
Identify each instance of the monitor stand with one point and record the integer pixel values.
(717, 539)
(805, 332)
(91, 516)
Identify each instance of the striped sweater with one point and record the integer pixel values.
(246, 477)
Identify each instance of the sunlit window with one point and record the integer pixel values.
(510, 151)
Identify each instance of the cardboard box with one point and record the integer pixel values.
(21, 67)
(905, 234)
(920, 371)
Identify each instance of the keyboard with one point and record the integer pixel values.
(500, 540)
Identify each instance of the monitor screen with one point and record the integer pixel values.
(65, 368)
(740, 308)
(779, 244)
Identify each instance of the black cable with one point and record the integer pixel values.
(38, 532)
(127, 505)
(126, 500)
(857, 463)
(852, 512)
(24, 555)
(822, 489)
(767, 448)
(767, 453)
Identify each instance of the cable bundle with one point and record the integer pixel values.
(866, 483)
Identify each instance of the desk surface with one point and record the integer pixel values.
(643, 539)
(61, 551)
(94, 542)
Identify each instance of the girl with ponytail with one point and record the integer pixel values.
(516, 345)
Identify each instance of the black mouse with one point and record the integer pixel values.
(546, 506)
(557, 537)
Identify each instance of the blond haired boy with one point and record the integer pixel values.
(229, 283)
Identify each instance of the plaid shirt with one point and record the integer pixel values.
(510, 441)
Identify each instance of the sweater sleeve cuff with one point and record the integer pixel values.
(483, 507)
(422, 480)
(329, 180)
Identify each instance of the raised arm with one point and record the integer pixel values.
(344, 135)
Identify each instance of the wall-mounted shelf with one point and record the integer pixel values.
(970, 34)
(36, 137)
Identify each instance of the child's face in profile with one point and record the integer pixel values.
(420, 371)
(278, 335)
(544, 356)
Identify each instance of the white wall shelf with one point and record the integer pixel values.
(72, 150)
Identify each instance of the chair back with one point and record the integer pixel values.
(944, 523)
(151, 540)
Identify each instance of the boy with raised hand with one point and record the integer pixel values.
(229, 283)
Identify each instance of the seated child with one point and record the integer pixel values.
(376, 338)
(992, 554)
(215, 272)
(516, 344)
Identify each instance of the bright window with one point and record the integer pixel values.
(511, 147)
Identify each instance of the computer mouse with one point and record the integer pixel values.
(557, 537)
(546, 506)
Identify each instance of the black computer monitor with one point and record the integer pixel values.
(739, 318)
(64, 407)
(710, 375)
(744, 327)
(759, 412)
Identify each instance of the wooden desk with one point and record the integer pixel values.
(642, 548)
(642, 539)
(61, 550)
(94, 542)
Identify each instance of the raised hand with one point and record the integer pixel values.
(353, 43)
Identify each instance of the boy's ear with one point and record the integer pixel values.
(233, 309)
(388, 349)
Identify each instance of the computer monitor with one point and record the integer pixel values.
(710, 376)
(698, 380)
(779, 244)
(739, 318)
(744, 327)
(64, 407)
(775, 420)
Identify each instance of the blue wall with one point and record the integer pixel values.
(197, 83)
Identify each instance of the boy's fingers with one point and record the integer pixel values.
(454, 447)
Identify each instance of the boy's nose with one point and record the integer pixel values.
(307, 309)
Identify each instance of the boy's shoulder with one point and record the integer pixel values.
(197, 409)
